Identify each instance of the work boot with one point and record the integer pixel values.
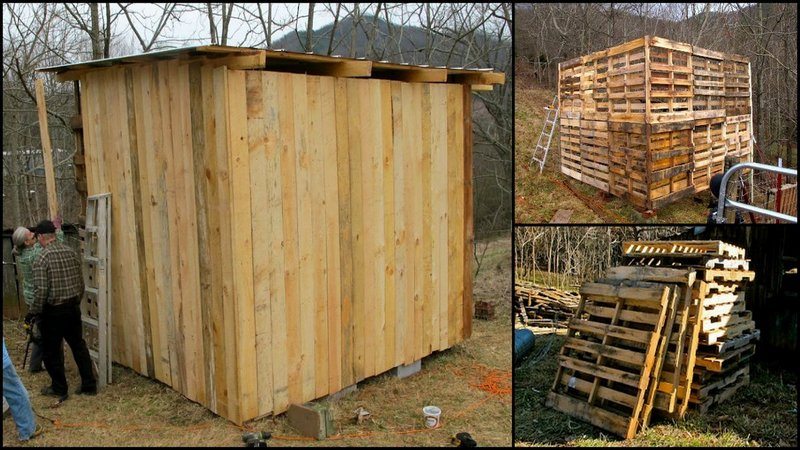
(82, 391)
(48, 391)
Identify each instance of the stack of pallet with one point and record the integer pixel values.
(540, 305)
(727, 331)
(666, 331)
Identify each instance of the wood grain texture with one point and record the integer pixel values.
(311, 231)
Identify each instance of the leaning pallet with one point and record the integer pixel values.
(614, 346)
(726, 330)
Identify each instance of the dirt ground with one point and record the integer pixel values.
(540, 195)
(470, 382)
(764, 413)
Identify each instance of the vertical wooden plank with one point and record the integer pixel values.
(469, 229)
(47, 151)
(120, 186)
(439, 184)
(342, 118)
(172, 305)
(142, 94)
(202, 155)
(402, 274)
(135, 133)
(157, 180)
(414, 211)
(277, 273)
(426, 247)
(213, 111)
(261, 230)
(453, 227)
(331, 207)
(290, 233)
(371, 164)
(242, 239)
(304, 234)
(457, 100)
(318, 232)
(390, 301)
(354, 100)
(90, 114)
(229, 400)
(187, 219)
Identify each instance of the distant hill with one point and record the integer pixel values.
(373, 42)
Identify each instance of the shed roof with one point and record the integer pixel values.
(287, 61)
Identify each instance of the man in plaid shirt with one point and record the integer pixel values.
(58, 290)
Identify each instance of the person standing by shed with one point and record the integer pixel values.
(27, 250)
(58, 290)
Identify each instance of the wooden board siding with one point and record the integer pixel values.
(652, 120)
(280, 236)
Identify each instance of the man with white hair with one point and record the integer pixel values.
(27, 249)
(58, 291)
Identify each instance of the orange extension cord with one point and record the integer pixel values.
(497, 383)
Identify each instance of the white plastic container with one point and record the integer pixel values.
(431, 414)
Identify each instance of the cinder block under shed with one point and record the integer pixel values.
(652, 120)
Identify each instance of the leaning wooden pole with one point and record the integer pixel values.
(47, 151)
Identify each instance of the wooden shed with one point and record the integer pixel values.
(284, 224)
(652, 120)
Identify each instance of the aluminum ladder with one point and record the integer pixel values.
(552, 110)
(96, 308)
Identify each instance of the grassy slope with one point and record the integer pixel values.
(761, 414)
(538, 196)
(137, 411)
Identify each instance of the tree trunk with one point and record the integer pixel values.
(97, 49)
(310, 28)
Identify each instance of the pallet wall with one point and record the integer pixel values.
(277, 237)
(653, 120)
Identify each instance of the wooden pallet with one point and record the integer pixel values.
(720, 391)
(678, 249)
(611, 351)
(726, 361)
(727, 344)
(678, 338)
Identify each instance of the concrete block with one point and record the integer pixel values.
(311, 420)
(408, 370)
(336, 396)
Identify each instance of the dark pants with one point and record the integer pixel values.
(36, 357)
(59, 323)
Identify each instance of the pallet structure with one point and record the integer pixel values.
(285, 225)
(695, 345)
(652, 120)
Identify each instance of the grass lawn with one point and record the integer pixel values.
(764, 413)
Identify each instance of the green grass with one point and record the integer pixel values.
(539, 196)
(762, 414)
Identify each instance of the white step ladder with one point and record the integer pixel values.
(540, 151)
(96, 309)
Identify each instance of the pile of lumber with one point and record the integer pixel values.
(666, 331)
(540, 305)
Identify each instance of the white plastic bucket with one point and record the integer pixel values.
(431, 414)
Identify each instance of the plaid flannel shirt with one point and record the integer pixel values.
(57, 276)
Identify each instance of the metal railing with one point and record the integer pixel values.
(723, 202)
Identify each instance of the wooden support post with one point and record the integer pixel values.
(47, 152)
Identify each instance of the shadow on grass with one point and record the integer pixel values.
(764, 413)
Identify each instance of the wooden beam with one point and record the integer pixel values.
(476, 77)
(47, 151)
(482, 87)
